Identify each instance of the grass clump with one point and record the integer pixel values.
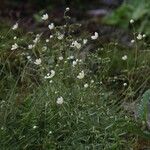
(55, 94)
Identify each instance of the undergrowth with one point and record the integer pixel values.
(55, 93)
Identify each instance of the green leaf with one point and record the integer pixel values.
(119, 17)
(139, 12)
(143, 106)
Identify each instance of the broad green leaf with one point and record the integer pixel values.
(139, 12)
(143, 106)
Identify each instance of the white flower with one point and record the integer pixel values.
(131, 21)
(60, 36)
(36, 39)
(76, 44)
(85, 41)
(14, 47)
(124, 57)
(34, 127)
(60, 100)
(60, 58)
(132, 41)
(51, 36)
(15, 26)
(81, 75)
(74, 63)
(67, 9)
(51, 26)
(29, 57)
(47, 40)
(95, 36)
(15, 37)
(139, 37)
(86, 85)
(92, 81)
(144, 35)
(70, 57)
(38, 61)
(124, 84)
(30, 46)
(51, 81)
(45, 17)
(50, 75)
(56, 92)
(80, 60)
(37, 35)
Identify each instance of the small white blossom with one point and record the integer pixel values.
(51, 26)
(92, 81)
(35, 41)
(131, 21)
(132, 41)
(124, 57)
(124, 84)
(50, 75)
(139, 37)
(76, 44)
(37, 35)
(47, 40)
(38, 61)
(45, 17)
(15, 26)
(60, 36)
(30, 46)
(67, 9)
(85, 41)
(86, 85)
(56, 92)
(70, 57)
(81, 75)
(144, 35)
(51, 81)
(74, 63)
(80, 60)
(15, 37)
(29, 57)
(51, 36)
(60, 58)
(95, 36)
(14, 46)
(60, 100)
(34, 127)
